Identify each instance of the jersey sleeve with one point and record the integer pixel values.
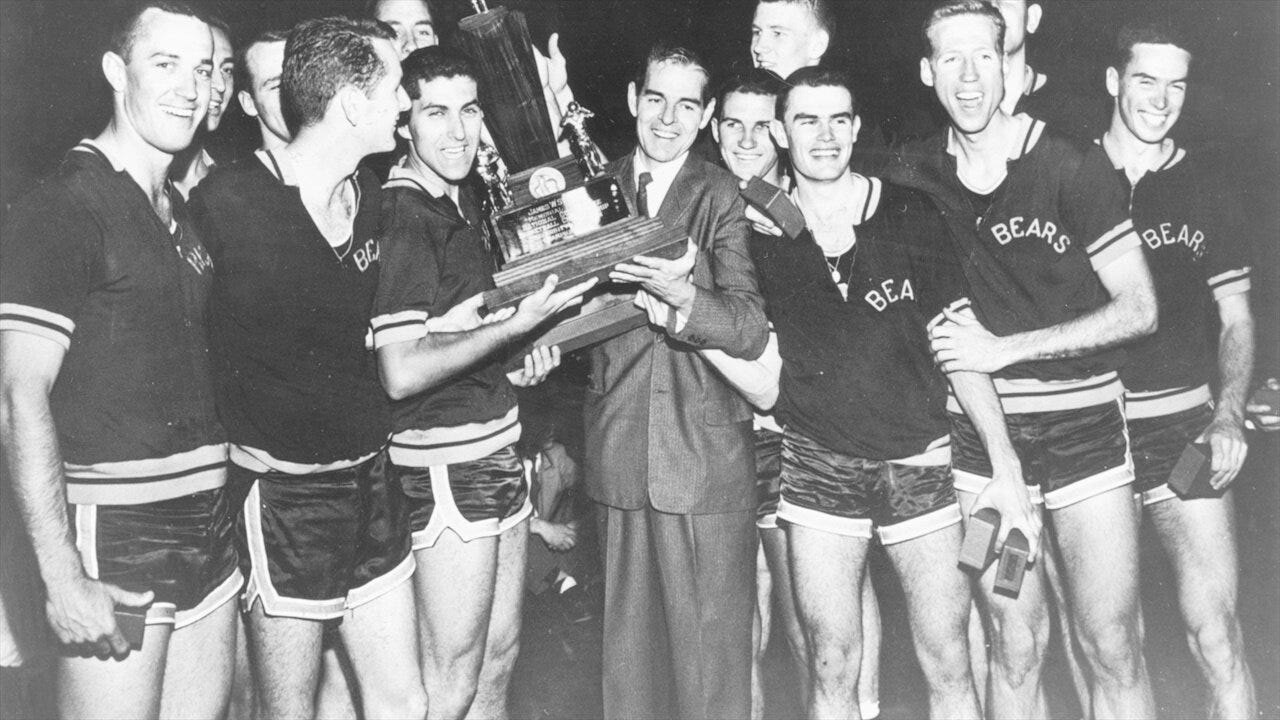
(1227, 248)
(47, 247)
(1096, 206)
(408, 276)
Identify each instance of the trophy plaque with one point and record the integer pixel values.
(567, 216)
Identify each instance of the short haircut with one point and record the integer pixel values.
(815, 77)
(321, 57)
(820, 9)
(953, 8)
(429, 63)
(244, 78)
(663, 53)
(124, 29)
(371, 7)
(756, 81)
(217, 22)
(1145, 32)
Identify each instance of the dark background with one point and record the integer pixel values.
(52, 92)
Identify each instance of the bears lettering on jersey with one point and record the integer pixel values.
(890, 291)
(366, 255)
(1164, 234)
(1018, 228)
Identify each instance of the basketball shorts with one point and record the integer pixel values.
(314, 546)
(1157, 444)
(1067, 455)
(475, 499)
(768, 477)
(182, 549)
(848, 495)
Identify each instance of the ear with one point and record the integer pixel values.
(926, 72)
(247, 103)
(715, 132)
(819, 41)
(1034, 13)
(352, 102)
(707, 113)
(779, 134)
(403, 131)
(632, 99)
(1113, 82)
(113, 68)
(857, 126)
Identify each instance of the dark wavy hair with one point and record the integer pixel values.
(321, 57)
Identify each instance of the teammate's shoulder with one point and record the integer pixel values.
(242, 176)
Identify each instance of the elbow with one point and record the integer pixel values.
(1148, 317)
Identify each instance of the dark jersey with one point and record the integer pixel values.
(1032, 254)
(89, 265)
(289, 315)
(1189, 223)
(857, 374)
(1078, 115)
(434, 257)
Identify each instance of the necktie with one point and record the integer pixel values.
(642, 194)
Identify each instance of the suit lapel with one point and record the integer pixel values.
(624, 170)
(683, 189)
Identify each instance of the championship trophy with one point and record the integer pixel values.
(547, 215)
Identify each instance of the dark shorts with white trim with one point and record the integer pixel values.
(768, 477)
(846, 495)
(316, 545)
(476, 498)
(1067, 455)
(182, 549)
(1157, 444)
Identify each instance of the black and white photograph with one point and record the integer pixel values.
(640, 359)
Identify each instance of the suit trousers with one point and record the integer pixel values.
(679, 602)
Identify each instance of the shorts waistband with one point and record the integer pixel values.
(459, 443)
(261, 461)
(134, 482)
(1029, 395)
(1158, 403)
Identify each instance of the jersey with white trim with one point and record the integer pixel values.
(88, 264)
(1188, 220)
(857, 374)
(289, 316)
(1032, 257)
(434, 257)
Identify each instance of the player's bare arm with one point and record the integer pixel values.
(1225, 434)
(1007, 491)
(963, 343)
(410, 367)
(79, 608)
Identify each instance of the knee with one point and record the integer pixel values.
(944, 661)
(407, 702)
(1217, 643)
(1115, 651)
(501, 650)
(834, 660)
(450, 700)
(1019, 647)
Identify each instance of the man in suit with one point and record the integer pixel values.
(669, 444)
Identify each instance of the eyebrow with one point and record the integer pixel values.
(811, 116)
(438, 106)
(655, 93)
(1145, 76)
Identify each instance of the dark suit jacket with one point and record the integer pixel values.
(661, 425)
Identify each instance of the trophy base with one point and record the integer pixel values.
(592, 255)
(597, 320)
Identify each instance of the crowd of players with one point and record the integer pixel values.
(260, 399)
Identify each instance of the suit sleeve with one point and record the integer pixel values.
(50, 246)
(728, 311)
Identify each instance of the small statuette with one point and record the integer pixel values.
(493, 172)
(583, 147)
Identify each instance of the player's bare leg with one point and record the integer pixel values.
(760, 628)
(938, 603)
(379, 639)
(1098, 538)
(502, 644)
(1199, 537)
(827, 572)
(1018, 636)
(200, 665)
(110, 688)
(285, 655)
